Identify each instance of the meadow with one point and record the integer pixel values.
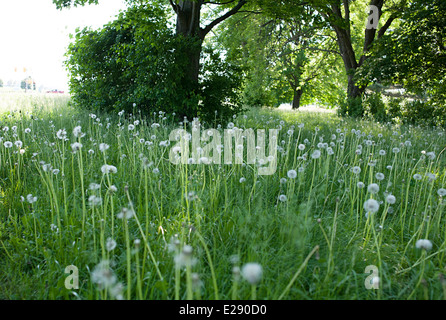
(92, 208)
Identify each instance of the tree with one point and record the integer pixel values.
(354, 37)
(137, 60)
(414, 57)
(283, 53)
(189, 15)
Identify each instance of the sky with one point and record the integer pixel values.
(34, 36)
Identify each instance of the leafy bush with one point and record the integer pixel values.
(136, 60)
(351, 107)
(374, 107)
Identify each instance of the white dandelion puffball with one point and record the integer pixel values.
(7, 144)
(126, 213)
(417, 176)
(316, 154)
(76, 146)
(110, 244)
(424, 244)
(360, 185)
(106, 168)
(390, 199)
(103, 147)
(371, 206)
(252, 272)
(441, 192)
(292, 174)
(61, 134)
(301, 147)
(373, 188)
(282, 198)
(379, 176)
(77, 131)
(356, 170)
(242, 179)
(30, 198)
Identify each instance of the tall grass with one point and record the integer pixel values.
(98, 192)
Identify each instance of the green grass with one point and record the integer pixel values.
(315, 245)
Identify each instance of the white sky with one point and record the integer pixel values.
(34, 35)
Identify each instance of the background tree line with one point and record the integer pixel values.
(211, 58)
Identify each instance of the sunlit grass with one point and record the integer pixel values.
(97, 191)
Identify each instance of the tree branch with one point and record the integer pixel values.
(386, 25)
(174, 6)
(231, 12)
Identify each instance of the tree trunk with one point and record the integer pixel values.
(353, 91)
(188, 26)
(296, 98)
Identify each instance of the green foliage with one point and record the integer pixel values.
(136, 60)
(60, 4)
(374, 107)
(352, 107)
(414, 56)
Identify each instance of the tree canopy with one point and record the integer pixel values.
(224, 53)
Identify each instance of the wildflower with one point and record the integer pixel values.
(417, 176)
(76, 146)
(18, 144)
(94, 186)
(382, 152)
(431, 155)
(252, 272)
(106, 168)
(103, 147)
(292, 174)
(390, 199)
(7, 144)
(371, 206)
(61, 134)
(441, 192)
(77, 132)
(301, 147)
(379, 176)
(283, 180)
(424, 244)
(103, 275)
(242, 179)
(126, 213)
(316, 154)
(31, 199)
(373, 188)
(56, 171)
(94, 201)
(356, 170)
(110, 244)
(360, 185)
(131, 127)
(27, 130)
(185, 257)
(395, 150)
(282, 198)
(113, 188)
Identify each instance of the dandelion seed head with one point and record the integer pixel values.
(252, 272)
(371, 206)
(423, 244)
(373, 188)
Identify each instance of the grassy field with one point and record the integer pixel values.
(355, 210)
